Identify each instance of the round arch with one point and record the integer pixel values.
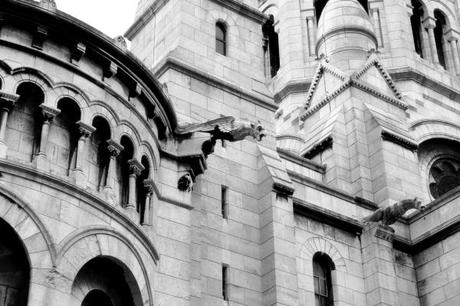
(320, 245)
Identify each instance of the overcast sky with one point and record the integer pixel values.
(113, 17)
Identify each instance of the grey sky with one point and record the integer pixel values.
(113, 17)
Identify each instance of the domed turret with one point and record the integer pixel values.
(345, 34)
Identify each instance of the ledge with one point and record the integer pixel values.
(34, 175)
(297, 159)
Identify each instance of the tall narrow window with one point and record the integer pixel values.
(224, 202)
(439, 37)
(322, 266)
(271, 46)
(225, 282)
(221, 38)
(416, 23)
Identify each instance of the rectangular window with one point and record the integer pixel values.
(224, 202)
(225, 282)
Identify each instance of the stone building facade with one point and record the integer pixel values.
(108, 196)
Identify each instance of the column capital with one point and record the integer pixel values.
(452, 35)
(49, 112)
(135, 166)
(85, 129)
(149, 185)
(114, 147)
(429, 22)
(7, 100)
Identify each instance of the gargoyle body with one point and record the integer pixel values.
(225, 128)
(388, 215)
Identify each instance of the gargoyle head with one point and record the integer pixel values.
(258, 131)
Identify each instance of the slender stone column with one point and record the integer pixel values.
(7, 102)
(430, 23)
(135, 169)
(149, 186)
(311, 35)
(114, 150)
(49, 113)
(452, 38)
(376, 19)
(378, 263)
(85, 132)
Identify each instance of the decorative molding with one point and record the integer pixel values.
(85, 129)
(175, 64)
(320, 147)
(114, 147)
(243, 9)
(291, 88)
(27, 173)
(144, 18)
(299, 160)
(283, 189)
(399, 140)
(48, 112)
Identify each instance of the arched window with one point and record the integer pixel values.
(320, 4)
(439, 31)
(271, 47)
(416, 24)
(99, 153)
(444, 176)
(123, 169)
(141, 190)
(63, 137)
(221, 38)
(25, 123)
(322, 267)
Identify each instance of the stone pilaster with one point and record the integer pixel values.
(7, 102)
(82, 151)
(379, 272)
(48, 113)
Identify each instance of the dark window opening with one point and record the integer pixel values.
(320, 4)
(100, 153)
(444, 176)
(141, 189)
(416, 24)
(322, 267)
(66, 124)
(225, 282)
(123, 168)
(224, 202)
(221, 38)
(271, 45)
(439, 37)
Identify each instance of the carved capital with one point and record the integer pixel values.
(149, 186)
(429, 22)
(135, 167)
(85, 129)
(39, 37)
(114, 147)
(49, 112)
(7, 100)
(77, 52)
(452, 35)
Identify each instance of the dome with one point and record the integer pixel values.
(345, 28)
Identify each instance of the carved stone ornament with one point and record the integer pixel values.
(49, 112)
(149, 186)
(114, 147)
(85, 129)
(135, 167)
(388, 215)
(7, 100)
(185, 183)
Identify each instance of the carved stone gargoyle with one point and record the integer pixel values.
(225, 128)
(388, 215)
(185, 183)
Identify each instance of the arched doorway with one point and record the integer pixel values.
(14, 268)
(104, 281)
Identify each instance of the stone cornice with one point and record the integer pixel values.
(319, 147)
(180, 66)
(56, 183)
(399, 140)
(144, 18)
(299, 160)
(291, 88)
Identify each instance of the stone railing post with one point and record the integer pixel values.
(149, 188)
(49, 113)
(430, 23)
(135, 169)
(85, 132)
(7, 102)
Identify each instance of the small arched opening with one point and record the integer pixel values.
(416, 24)
(105, 281)
(322, 278)
(64, 135)
(14, 268)
(221, 38)
(123, 170)
(99, 153)
(439, 37)
(141, 189)
(25, 123)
